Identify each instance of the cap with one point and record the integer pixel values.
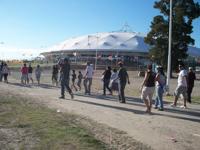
(158, 66)
(120, 63)
(190, 68)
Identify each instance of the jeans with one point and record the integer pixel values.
(1, 76)
(189, 92)
(159, 97)
(65, 84)
(121, 91)
(88, 85)
(106, 85)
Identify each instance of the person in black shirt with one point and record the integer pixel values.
(123, 78)
(30, 71)
(148, 87)
(73, 80)
(190, 83)
(1, 71)
(65, 70)
(80, 77)
(106, 80)
(55, 75)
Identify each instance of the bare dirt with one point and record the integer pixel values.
(175, 128)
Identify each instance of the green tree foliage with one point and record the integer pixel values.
(184, 12)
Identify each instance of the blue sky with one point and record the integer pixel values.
(34, 24)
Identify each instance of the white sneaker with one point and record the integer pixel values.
(172, 105)
(184, 107)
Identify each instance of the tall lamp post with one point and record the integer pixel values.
(169, 48)
(97, 37)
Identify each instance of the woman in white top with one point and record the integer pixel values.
(114, 80)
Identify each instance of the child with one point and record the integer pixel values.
(38, 73)
(80, 77)
(55, 75)
(73, 80)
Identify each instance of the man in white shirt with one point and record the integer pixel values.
(181, 87)
(88, 78)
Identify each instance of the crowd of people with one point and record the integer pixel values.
(113, 80)
(26, 74)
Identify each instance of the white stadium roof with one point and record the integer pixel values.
(110, 41)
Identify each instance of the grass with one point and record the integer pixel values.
(196, 100)
(47, 129)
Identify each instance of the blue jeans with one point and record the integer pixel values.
(65, 85)
(159, 97)
(87, 85)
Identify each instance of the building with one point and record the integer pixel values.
(104, 48)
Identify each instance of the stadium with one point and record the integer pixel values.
(106, 48)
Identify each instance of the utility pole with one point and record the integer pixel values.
(169, 48)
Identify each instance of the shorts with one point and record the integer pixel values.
(29, 75)
(37, 76)
(181, 90)
(147, 92)
(24, 77)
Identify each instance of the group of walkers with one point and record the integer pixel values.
(157, 82)
(113, 80)
(26, 74)
(116, 80)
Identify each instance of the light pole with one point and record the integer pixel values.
(169, 48)
(96, 52)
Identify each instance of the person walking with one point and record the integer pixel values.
(55, 75)
(65, 72)
(1, 71)
(80, 77)
(190, 83)
(181, 87)
(88, 78)
(24, 72)
(106, 80)
(6, 72)
(114, 82)
(38, 73)
(30, 71)
(123, 78)
(73, 80)
(148, 87)
(160, 85)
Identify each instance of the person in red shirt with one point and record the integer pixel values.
(24, 77)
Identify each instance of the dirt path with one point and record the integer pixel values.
(171, 129)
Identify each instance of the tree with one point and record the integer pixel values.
(184, 12)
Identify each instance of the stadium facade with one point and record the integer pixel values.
(105, 47)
